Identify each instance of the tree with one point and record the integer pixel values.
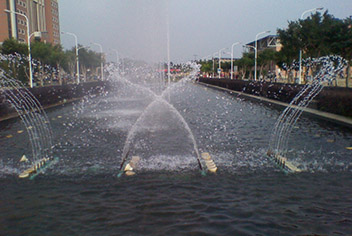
(264, 58)
(207, 66)
(12, 46)
(291, 43)
(17, 66)
(318, 35)
(50, 57)
(89, 60)
(246, 62)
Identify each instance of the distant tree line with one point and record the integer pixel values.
(51, 64)
(318, 35)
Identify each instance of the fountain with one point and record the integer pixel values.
(40, 134)
(328, 68)
(33, 118)
(160, 100)
(163, 183)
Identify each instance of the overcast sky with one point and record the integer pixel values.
(138, 28)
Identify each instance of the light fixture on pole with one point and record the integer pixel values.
(29, 46)
(206, 57)
(101, 60)
(122, 62)
(300, 50)
(256, 53)
(77, 58)
(250, 46)
(83, 47)
(233, 45)
(117, 55)
(214, 63)
(219, 69)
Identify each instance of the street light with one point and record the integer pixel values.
(77, 58)
(232, 57)
(37, 34)
(83, 47)
(300, 50)
(220, 51)
(29, 46)
(101, 60)
(250, 46)
(256, 53)
(206, 57)
(122, 62)
(118, 59)
(214, 62)
(117, 55)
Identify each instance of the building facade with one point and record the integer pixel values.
(268, 42)
(43, 16)
(52, 21)
(271, 42)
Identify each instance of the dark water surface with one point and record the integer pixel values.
(81, 195)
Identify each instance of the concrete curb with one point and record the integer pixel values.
(319, 114)
(15, 115)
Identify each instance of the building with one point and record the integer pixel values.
(269, 42)
(52, 21)
(43, 16)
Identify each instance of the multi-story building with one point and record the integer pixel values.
(269, 42)
(43, 16)
(52, 21)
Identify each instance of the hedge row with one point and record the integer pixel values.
(335, 100)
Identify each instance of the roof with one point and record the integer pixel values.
(264, 38)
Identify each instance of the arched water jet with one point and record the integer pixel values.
(133, 130)
(194, 71)
(329, 67)
(33, 117)
(159, 98)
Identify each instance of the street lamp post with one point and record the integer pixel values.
(220, 51)
(29, 46)
(101, 62)
(232, 57)
(117, 55)
(256, 53)
(250, 46)
(77, 58)
(122, 60)
(214, 63)
(300, 51)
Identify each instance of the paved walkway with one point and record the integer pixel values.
(319, 114)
